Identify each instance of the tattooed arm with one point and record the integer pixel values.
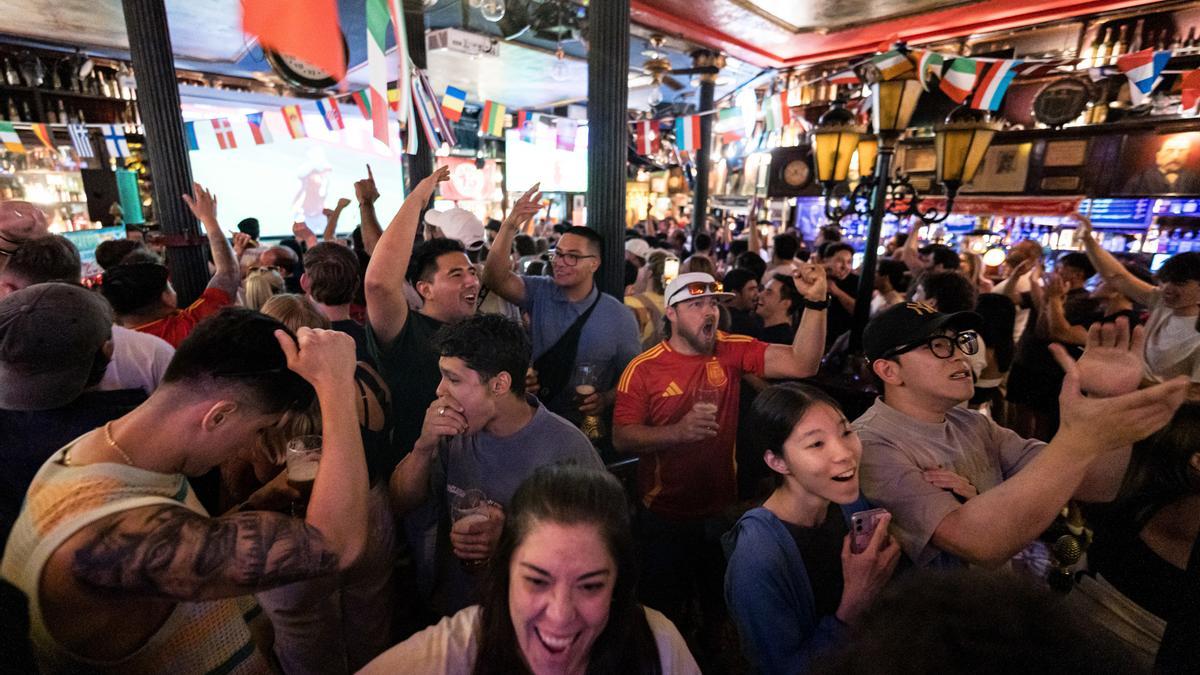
(172, 553)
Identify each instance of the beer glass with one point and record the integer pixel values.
(470, 506)
(707, 399)
(584, 380)
(303, 457)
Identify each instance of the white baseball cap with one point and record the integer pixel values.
(693, 285)
(638, 247)
(458, 224)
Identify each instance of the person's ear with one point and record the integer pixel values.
(305, 283)
(1194, 462)
(776, 463)
(500, 384)
(888, 370)
(107, 349)
(424, 289)
(217, 415)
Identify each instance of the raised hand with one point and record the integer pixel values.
(241, 242)
(811, 281)
(525, 207)
(1084, 228)
(1056, 288)
(202, 203)
(364, 190)
(1113, 361)
(325, 358)
(439, 175)
(302, 232)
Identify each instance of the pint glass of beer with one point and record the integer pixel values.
(303, 457)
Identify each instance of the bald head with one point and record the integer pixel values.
(280, 256)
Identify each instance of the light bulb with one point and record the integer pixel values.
(558, 72)
(474, 3)
(492, 10)
(655, 97)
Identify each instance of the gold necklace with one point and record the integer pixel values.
(109, 439)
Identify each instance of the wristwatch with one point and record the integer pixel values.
(818, 306)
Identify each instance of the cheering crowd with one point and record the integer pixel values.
(438, 447)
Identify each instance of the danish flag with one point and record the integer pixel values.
(224, 133)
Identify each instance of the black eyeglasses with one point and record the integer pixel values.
(942, 346)
(571, 259)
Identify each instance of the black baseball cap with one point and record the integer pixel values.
(907, 322)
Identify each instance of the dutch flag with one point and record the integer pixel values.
(1144, 70)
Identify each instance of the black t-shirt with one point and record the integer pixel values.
(838, 319)
(409, 365)
(354, 329)
(779, 334)
(821, 550)
(744, 322)
(1036, 378)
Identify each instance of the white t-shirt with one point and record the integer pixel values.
(1172, 344)
(139, 361)
(452, 645)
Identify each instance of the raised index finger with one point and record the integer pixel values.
(370, 176)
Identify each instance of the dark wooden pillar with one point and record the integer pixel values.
(608, 135)
(702, 58)
(166, 148)
(417, 167)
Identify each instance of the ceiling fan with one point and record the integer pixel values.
(658, 67)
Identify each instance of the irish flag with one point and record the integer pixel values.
(892, 64)
(959, 79)
(10, 139)
(996, 78)
(687, 132)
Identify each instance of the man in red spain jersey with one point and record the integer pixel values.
(677, 407)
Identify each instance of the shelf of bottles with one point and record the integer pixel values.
(49, 179)
(56, 88)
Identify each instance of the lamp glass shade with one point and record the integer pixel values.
(868, 148)
(834, 149)
(893, 103)
(961, 147)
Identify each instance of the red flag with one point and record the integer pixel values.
(304, 29)
(364, 105)
(648, 137)
(224, 133)
(1190, 85)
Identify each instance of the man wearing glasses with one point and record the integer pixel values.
(570, 320)
(961, 488)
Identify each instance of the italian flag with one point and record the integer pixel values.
(377, 79)
(959, 79)
(776, 113)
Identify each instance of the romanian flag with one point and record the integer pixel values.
(304, 29)
(363, 102)
(994, 82)
(294, 121)
(10, 139)
(687, 132)
(776, 113)
(647, 136)
(257, 129)
(453, 102)
(959, 79)
(891, 64)
(492, 121)
(331, 113)
(43, 134)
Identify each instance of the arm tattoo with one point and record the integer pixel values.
(171, 552)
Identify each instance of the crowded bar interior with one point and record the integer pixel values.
(600, 336)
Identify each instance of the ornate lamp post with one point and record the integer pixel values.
(961, 143)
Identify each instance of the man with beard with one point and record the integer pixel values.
(1168, 175)
(677, 407)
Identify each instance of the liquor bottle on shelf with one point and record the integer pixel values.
(11, 111)
(1089, 52)
(1190, 43)
(1122, 44)
(1176, 43)
(51, 116)
(62, 111)
(26, 112)
(1102, 52)
(10, 73)
(1135, 45)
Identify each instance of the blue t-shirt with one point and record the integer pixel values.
(609, 338)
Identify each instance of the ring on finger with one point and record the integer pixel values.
(442, 411)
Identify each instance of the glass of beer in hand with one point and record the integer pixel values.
(584, 380)
(707, 400)
(466, 509)
(303, 457)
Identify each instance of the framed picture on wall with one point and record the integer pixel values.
(1160, 164)
(1005, 169)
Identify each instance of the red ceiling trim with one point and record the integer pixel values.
(930, 27)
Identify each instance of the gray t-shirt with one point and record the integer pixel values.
(898, 448)
(497, 466)
(609, 338)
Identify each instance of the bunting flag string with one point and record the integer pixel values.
(1144, 70)
(224, 132)
(1190, 86)
(993, 83)
(959, 79)
(258, 130)
(776, 113)
(687, 132)
(647, 137)
(42, 132)
(10, 139)
(453, 102)
(294, 121)
(114, 141)
(377, 81)
(331, 113)
(362, 99)
(730, 125)
(929, 65)
(189, 132)
(81, 140)
(491, 122)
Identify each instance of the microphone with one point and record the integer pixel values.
(1066, 552)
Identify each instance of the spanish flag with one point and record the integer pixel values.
(294, 121)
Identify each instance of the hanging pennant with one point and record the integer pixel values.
(993, 84)
(959, 79)
(294, 120)
(362, 99)
(377, 79)
(647, 137)
(453, 102)
(404, 109)
(776, 113)
(491, 122)
(1043, 68)
(846, 77)
(12, 141)
(189, 131)
(891, 64)
(1144, 70)
(43, 134)
(687, 132)
(81, 140)
(1190, 85)
(331, 113)
(929, 66)
(257, 129)
(730, 125)
(224, 132)
(114, 141)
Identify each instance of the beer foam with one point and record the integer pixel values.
(303, 471)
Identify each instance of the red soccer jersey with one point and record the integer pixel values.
(175, 327)
(698, 479)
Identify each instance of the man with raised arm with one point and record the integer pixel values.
(125, 570)
(571, 321)
(961, 488)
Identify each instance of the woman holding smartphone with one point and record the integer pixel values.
(793, 585)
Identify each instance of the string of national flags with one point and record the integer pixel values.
(113, 134)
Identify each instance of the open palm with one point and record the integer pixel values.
(1112, 363)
